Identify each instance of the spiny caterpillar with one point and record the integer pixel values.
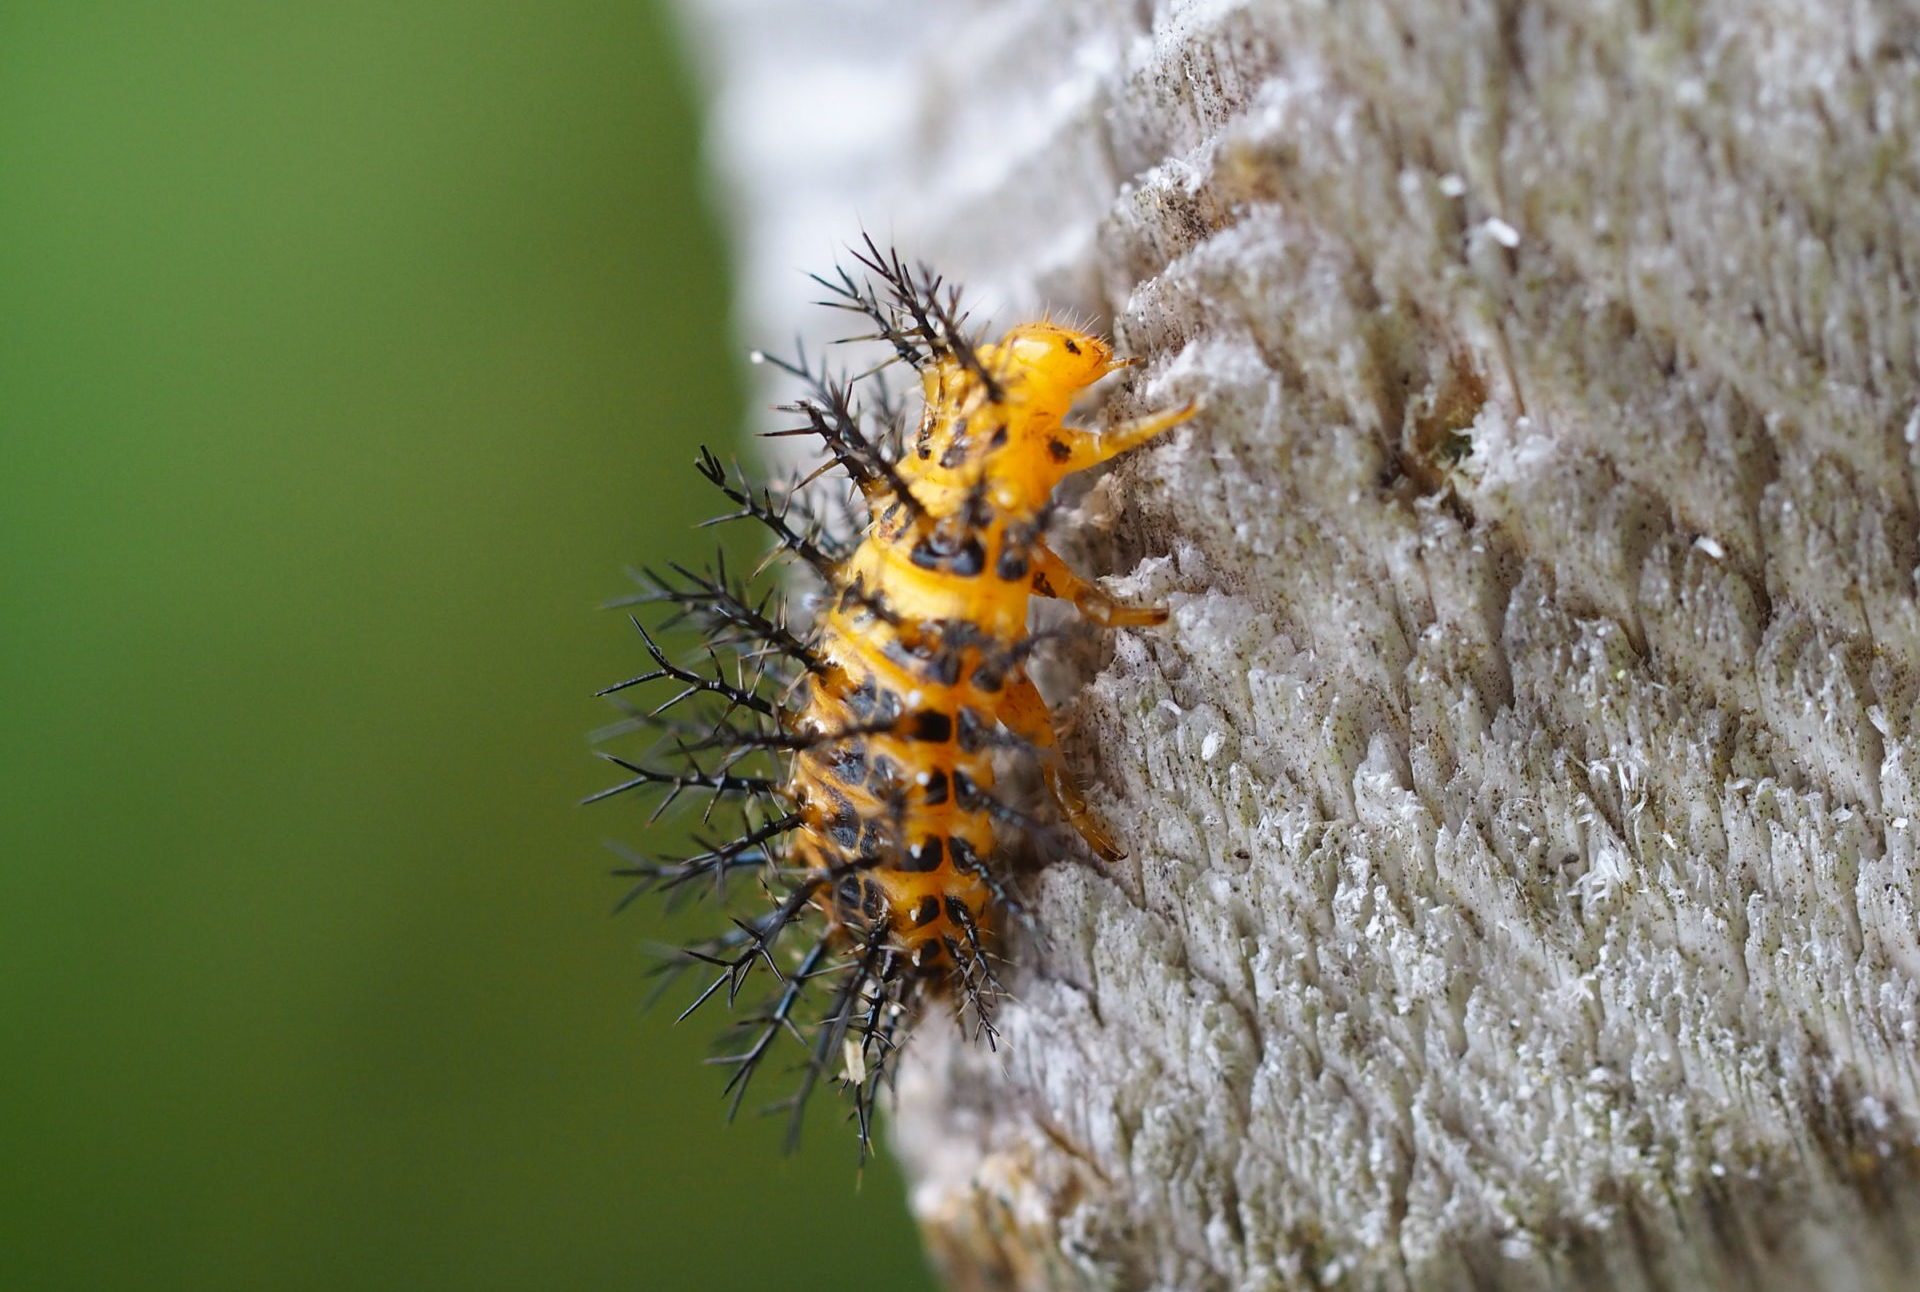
(865, 744)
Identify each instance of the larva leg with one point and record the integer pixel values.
(1053, 578)
(1024, 713)
(1078, 449)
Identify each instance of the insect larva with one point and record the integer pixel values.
(865, 742)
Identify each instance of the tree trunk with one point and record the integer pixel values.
(1522, 801)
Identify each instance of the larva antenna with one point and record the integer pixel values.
(760, 505)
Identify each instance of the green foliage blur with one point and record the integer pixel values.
(348, 352)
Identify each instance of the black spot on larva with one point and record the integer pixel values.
(1058, 450)
(886, 706)
(964, 561)
(973, 731)
(965, 859)
(927, 953)
(1012, 565)
(965, 792)
(884, 775)
(856, 896)
(956, 451)
(923, 856)
(943, 667)
(970, 559)
(1072, 346)
(935, 791)
(856, 899)
(988, 678)
(927, 912)
(869, 603)
(843, 826)
(999, 439)
(931, 725)
(934, 662)
(860, 700)
(850, 767)
(898, 652)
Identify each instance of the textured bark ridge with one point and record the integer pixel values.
(1523, 800)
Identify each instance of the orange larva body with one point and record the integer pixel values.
(865, 743)
(920, 646)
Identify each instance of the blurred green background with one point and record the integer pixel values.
(347, 353)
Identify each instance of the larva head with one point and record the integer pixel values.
(1011, 431)
(1050, 364)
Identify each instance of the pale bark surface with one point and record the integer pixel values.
(1523, 800)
